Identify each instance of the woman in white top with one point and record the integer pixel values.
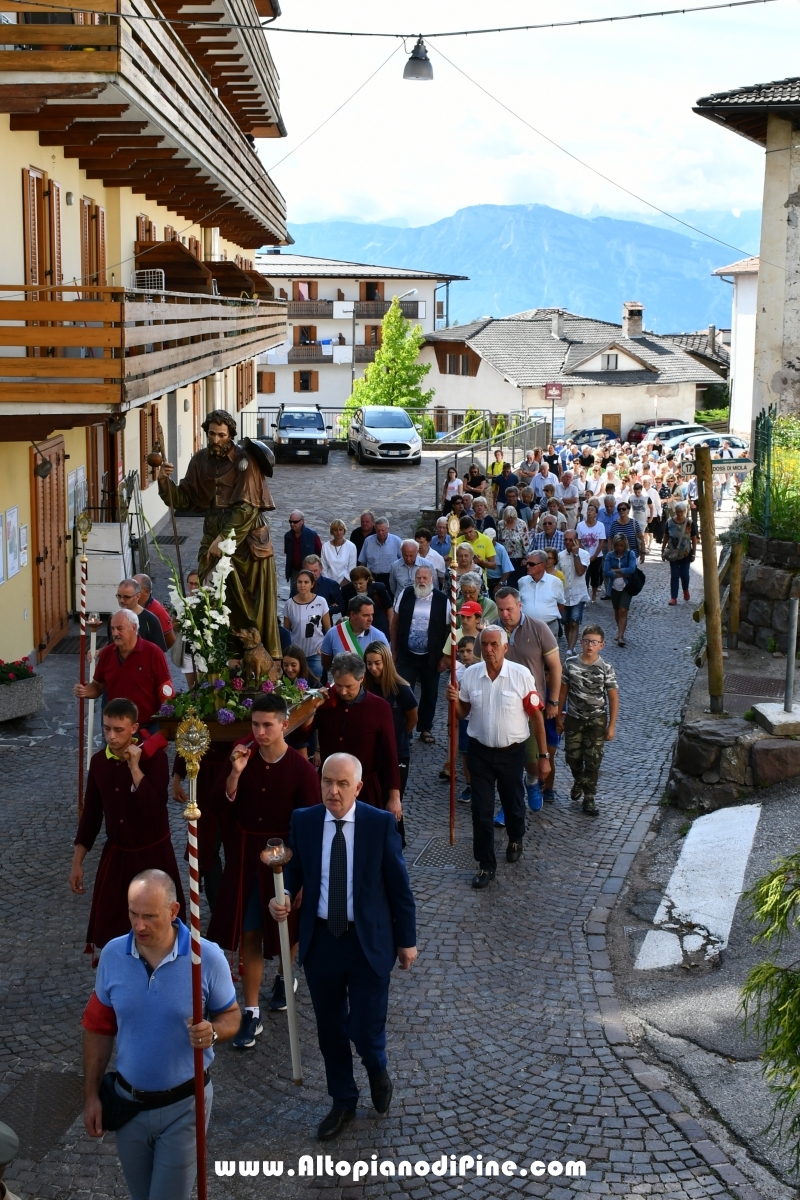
(307, 618)
(339, 556)
(453, 486)
(591, 535)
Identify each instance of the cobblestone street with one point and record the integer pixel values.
(505, 1039)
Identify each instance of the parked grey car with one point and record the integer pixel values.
(383, 435)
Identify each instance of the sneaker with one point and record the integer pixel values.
(589, 807)
(534, 796)
(686, 595)
(466, 796)
(500, 819)
(249, 1029)
(549, 795)
(577, 792)
(277, 1001)
(571, 653)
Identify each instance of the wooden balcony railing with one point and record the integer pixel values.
(379, 308)
(365, 353)
(110, 347)
(165, 100)
(310, 308)
(305, 353)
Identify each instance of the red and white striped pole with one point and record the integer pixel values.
(84, 526)
(452, 716)
(191, 741)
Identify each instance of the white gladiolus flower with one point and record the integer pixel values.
(228, 546)
(200, 663)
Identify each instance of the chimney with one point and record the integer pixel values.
(557, 325)
(632, 312)
(712, 337)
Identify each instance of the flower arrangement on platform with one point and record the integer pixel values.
(12, 672)
(226, 700)
(204, 617)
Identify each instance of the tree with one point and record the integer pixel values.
(474, 429)
(395, 375)
(500, 427)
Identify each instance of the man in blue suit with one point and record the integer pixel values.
(357, 917)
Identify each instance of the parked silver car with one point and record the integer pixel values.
(383, 435)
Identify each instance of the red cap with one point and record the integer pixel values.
(471, 608)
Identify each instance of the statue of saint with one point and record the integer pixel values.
(228, 483)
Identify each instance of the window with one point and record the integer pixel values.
(197, 416)
(194, 246)
(373, 335)
(465, 364)
(42, 232)
(149, 434)
(304, 290)
(266, 382)
(609, 362)
(244, 384)
(453, 364)
(371, 291)
(306, 381)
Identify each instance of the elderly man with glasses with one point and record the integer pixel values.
(149, 624)
(550, 536)
(541, 595)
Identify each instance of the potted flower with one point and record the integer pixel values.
(21, 692)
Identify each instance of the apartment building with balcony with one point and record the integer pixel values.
(133, 201)
(335, 311)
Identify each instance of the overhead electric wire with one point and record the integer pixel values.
(197, 23)
(588, 166)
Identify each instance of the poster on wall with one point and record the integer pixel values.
(23, 545)
(558, 418)
(12, 541)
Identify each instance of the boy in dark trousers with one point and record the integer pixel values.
(586, 683)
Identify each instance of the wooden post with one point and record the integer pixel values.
(734, 603)
(705, 504)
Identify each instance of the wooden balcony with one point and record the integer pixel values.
(105, 349)
(379, 308)
(365, 354)
(309, 353)
(146, 114)
(310, 308)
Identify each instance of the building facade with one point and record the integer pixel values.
(133, 200)
(578, 372)
(335, 310)
(769, 115)
(743, 276)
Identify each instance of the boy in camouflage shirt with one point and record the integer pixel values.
(586, 682)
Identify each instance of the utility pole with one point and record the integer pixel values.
(705, 504)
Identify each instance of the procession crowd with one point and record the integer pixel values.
(367, 626)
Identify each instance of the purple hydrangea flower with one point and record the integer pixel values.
(225, 716)
(269, 686)
(302, 685)
(219, 684)
(205, 684)
(237, 684)
(247, 702)
(167, 710)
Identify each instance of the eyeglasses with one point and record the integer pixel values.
(591, 641)
(296, 521)
(126, 595)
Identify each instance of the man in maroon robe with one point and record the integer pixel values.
(266, 781)
(213, 828)
(127, 787)
(354, 721)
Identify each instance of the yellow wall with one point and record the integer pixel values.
(16, 595)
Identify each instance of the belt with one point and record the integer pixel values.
(162, 1099)
(323, 922)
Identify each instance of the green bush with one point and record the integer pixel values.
(705, 416)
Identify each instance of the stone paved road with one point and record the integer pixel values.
(505, 1039)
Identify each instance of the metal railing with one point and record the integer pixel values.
(514, 442)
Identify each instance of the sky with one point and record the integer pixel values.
(619, 96)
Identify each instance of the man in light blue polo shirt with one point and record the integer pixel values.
(354, 634)
(379, 551)
(143, 996)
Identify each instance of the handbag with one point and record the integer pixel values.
(117, 1111)
(636, 582)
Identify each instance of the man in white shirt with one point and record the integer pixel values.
(431, 557)
(573, 563)
(544, 475)
(420, 623)
(541, 595)
(570, 498)
(498, 697)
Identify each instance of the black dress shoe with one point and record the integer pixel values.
(381, 1088)
(482, 879)
(513, 851)
(335, 1121)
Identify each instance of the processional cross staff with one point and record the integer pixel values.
(84, 527)
(454, 529)
(192, 740)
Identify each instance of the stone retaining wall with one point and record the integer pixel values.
(719, 761)
(767, 586)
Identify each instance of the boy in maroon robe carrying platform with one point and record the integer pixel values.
(127, 787)
(266, 782)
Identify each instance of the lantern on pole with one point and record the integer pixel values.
(276, 856)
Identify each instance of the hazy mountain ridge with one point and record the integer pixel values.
(528, 256)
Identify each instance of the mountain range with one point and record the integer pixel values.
(525, 256)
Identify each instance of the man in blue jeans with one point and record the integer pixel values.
(143, 997)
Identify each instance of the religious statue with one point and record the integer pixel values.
(228, 483)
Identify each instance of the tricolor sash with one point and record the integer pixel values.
(348, 639)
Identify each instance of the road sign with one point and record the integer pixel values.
(720, 466)
(554, 392)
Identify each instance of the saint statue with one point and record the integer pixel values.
(228, 483)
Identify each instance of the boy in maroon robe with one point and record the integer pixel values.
(266, 782)
(354, 721)
(127, 787)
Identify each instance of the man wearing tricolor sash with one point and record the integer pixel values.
(353, 635)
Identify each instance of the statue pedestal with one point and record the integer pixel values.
(299, 714)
